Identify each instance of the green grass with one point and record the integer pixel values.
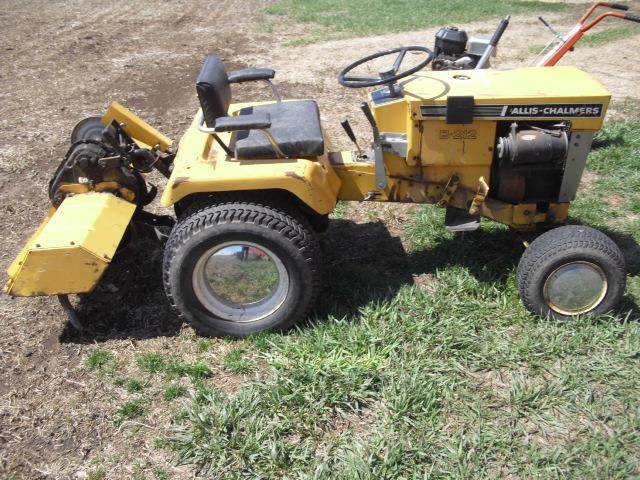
(371, 17)
(98, 360)
(195, 370)
(171, 366)
(131, 385)
(129, 410)
(235, 361)
(204, 345)
(151, 362)
(97, 474)
(173, 391)
(617, 186)
(450, 378)
(603, 37)
(161, 474)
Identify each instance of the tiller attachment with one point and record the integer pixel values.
(95, 193)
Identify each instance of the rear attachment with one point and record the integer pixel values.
(96, 191)
(72, 248)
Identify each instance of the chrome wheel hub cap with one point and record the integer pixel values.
(240, 281)
(575, 288)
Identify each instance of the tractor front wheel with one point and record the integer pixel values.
(238, 268)
(569, 271)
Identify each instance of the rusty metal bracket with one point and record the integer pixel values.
(449, 190)
(478, 199)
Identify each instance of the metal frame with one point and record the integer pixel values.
(567, 43)
(263, 131)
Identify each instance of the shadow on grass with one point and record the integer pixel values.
(364, 263)
(129, 302)
(617, 140)
(630, 249)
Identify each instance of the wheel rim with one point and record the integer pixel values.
(240, 281)
(575, 288)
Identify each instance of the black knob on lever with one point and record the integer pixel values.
(352, 136)
(347, 128)
(366, 109)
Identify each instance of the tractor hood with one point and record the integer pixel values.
(542, 93)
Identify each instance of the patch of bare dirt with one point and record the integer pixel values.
(588, 181)
(62, 62)
(615, 200)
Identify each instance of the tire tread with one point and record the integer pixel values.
(264, 212)
(555, 244)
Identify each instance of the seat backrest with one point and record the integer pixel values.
(214, 91)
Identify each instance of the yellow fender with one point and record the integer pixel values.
(201, 165)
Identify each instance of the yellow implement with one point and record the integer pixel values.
(72, 247)
(144, 134)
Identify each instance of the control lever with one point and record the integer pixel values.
(381, 175)
(555, 34)
(497, 35)
(352, 136)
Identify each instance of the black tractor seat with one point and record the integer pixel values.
(293, 125)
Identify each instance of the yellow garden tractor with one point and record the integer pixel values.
(252, 184)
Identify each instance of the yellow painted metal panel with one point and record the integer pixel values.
(460, 145)
(144, 134)
(202, 166)
(73, 246)
(535, 85)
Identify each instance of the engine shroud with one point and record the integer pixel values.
(507, 145)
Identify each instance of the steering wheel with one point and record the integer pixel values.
(389, 75)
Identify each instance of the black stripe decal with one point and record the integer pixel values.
(555, 110)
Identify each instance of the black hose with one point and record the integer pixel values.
(616, 6)
(632, 16)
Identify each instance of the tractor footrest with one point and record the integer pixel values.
(458, 220)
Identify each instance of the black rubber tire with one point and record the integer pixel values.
(572, 243)
(283, 231)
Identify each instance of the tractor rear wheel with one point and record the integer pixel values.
(569, 271)
(238, 268)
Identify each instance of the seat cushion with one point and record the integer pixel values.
(294, 125)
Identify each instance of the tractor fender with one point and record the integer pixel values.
(202, 166)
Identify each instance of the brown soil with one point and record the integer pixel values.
(63, 61)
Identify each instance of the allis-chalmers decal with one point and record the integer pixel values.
(589, 110)
(554, 110)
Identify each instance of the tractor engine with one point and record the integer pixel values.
(529, 161)
(454, 50)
